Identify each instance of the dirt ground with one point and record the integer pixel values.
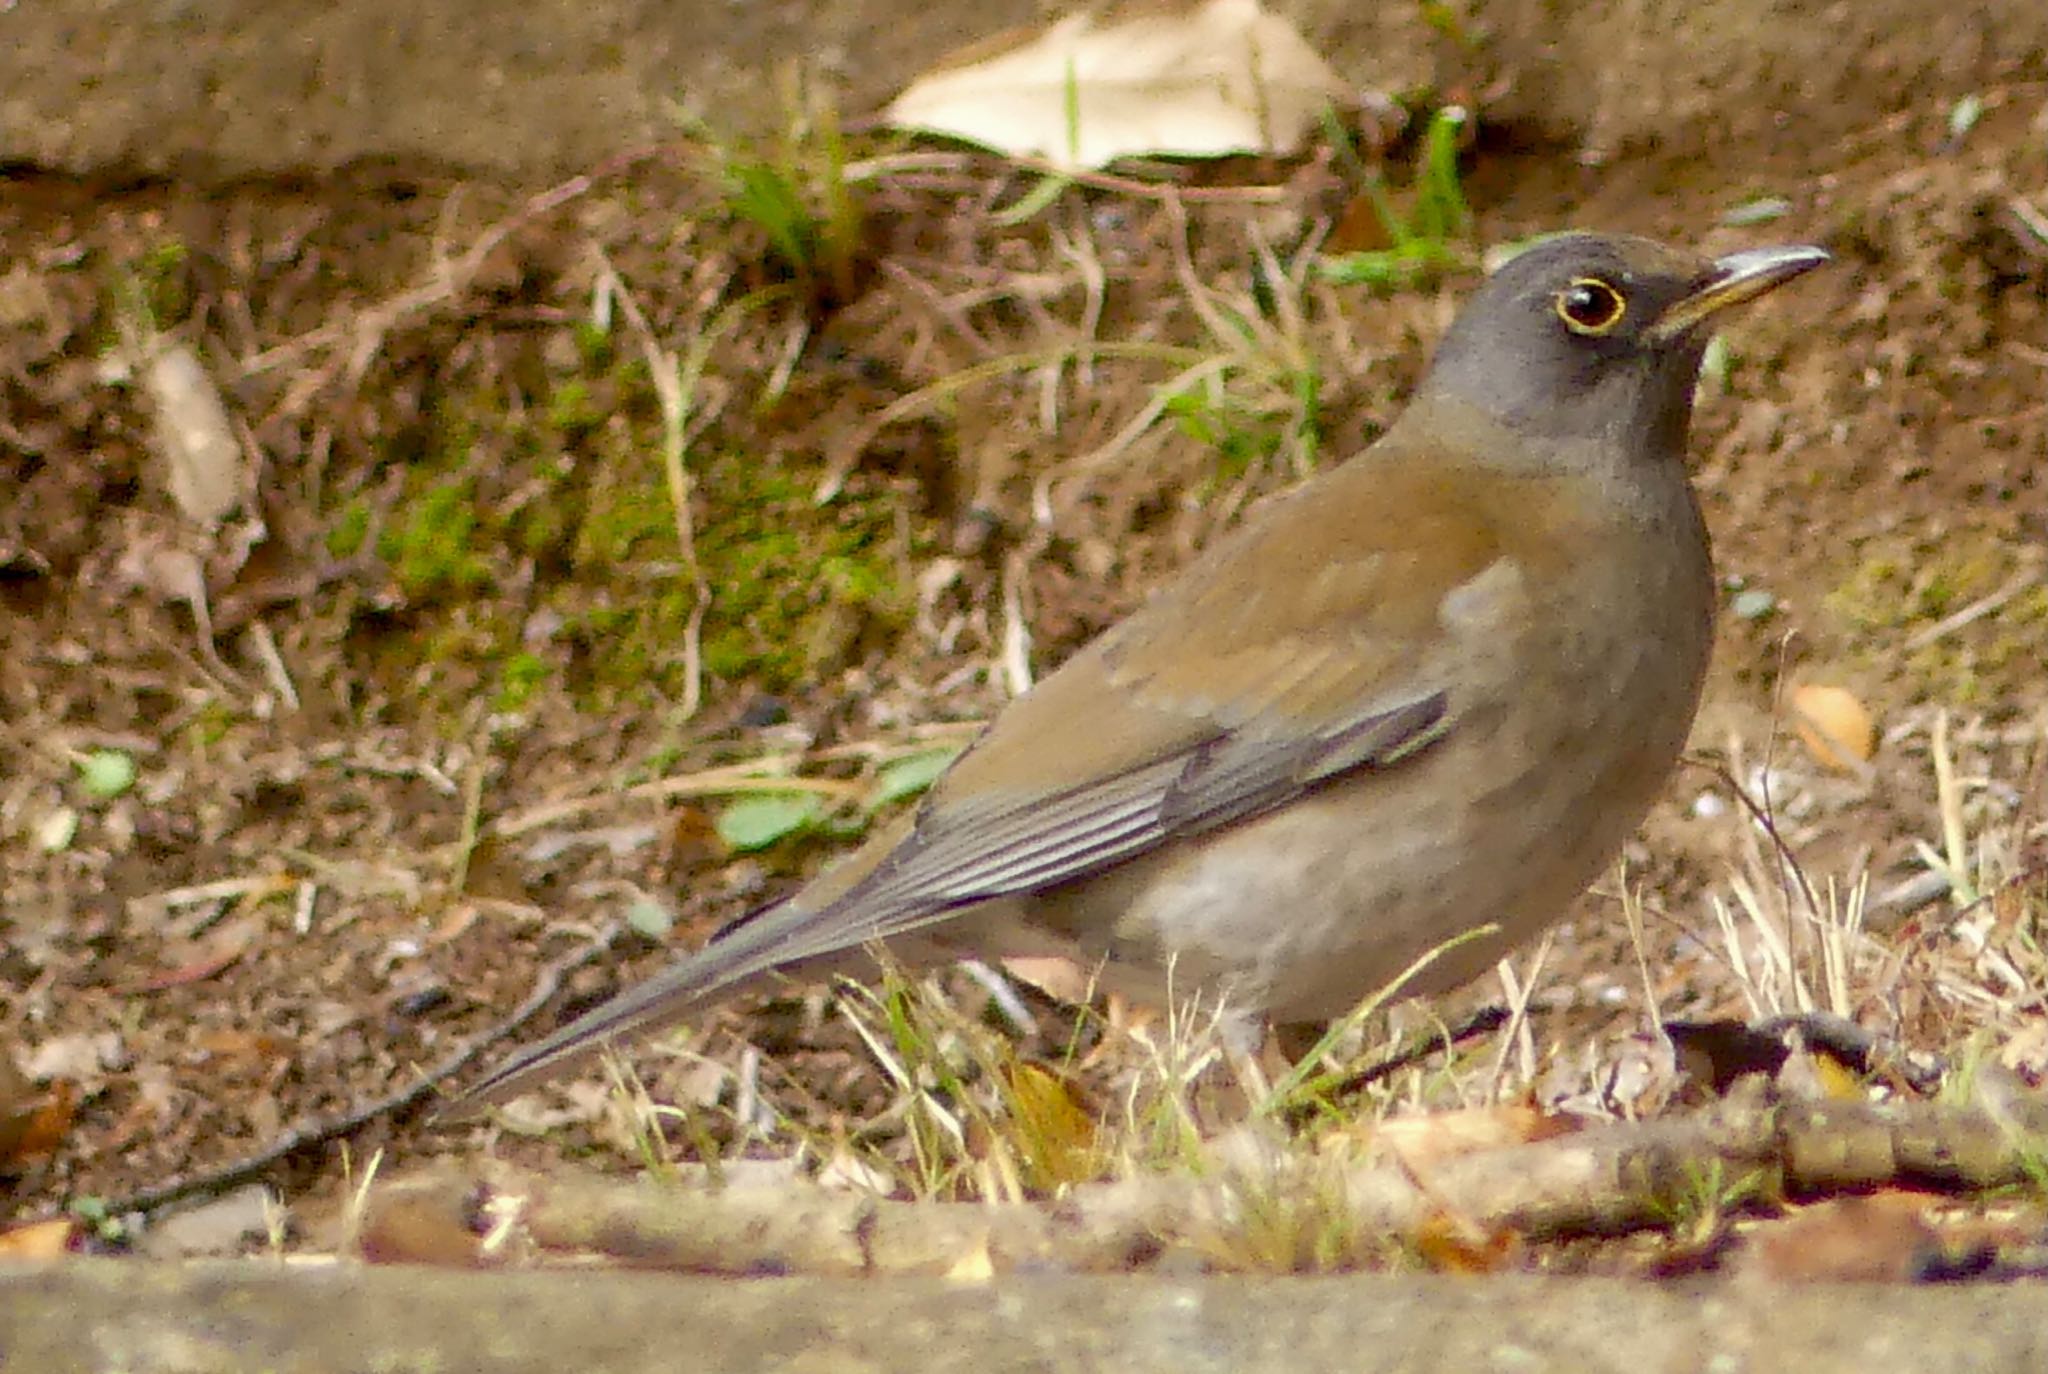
(439, 702)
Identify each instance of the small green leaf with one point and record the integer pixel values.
(93, 1211)
(908, 776)
(650, 918)
(106, 773)
(1441, 211)
(1758, 210)
(1753, 604)
(1716, 362)
(1392, 269)
(1033, 202)
(1963, 117)
(761, 820)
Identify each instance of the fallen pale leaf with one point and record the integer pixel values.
(1226, 77)
(1052, 975)
(194, 437)
(975, 1266)
(1437, 1136)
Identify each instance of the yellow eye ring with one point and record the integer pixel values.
(1590, 306)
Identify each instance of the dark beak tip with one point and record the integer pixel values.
(1774, 265)
(1735, 280)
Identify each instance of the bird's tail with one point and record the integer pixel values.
(771, 939)
(662, 1000)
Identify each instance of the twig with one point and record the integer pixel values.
(715, 782)
(1975, 611)
(1516, 1035)
(1600, 1181)
(675, 384)
(1766, 823)
(1949, 797)
(208, 1182)
(766, 773)
(844, 455)
(1016, 655)
(446, 279)
(472, 815)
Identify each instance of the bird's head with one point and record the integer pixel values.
(1590, 337)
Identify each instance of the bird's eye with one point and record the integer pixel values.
(1590, 306)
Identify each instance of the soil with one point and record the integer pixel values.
(407, 748)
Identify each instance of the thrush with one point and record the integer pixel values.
(1430, 691)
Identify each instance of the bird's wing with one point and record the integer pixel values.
(1328, 636)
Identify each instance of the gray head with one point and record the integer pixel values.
(1590, 337)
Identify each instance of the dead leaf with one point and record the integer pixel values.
(33, 1122)
(224, 1225)
(1884, 1238)
(1063, 979)
(976, 1265)
(194, 437)
(1815, 1076)
(217, 954)
(39, 1240)
(1836, 727)
(1450, 1246)
(1052, 1125)
(1226, 77)
(1716, 1053)
(423, 1221)
(1433, 1137)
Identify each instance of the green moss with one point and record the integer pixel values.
(796, 590)
(163, 282)
(2016, 633)
(1872, 597)
(434, 550)
(210, 726)
(345, 537)
(522, 675)
(623, 522)
(544, 528)
(593, 345)
(558, 514)
(1900, 588)
(572, 410)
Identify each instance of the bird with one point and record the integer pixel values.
(1430, 691)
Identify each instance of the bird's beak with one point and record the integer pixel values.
(1737, 278)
